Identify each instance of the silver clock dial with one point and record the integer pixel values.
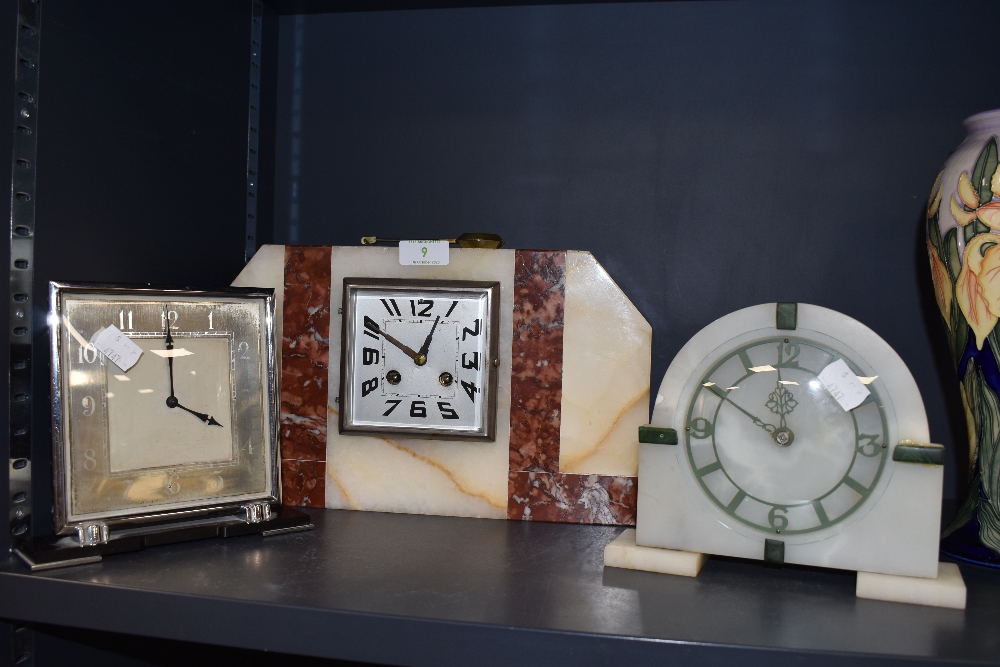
(419, 358)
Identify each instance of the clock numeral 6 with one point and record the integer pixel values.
(368, 386)
(417, 409)
(777, 521)
(174, 484)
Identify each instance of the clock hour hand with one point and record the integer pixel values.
(427, 341)
(756, 420)
(208, 419)
(418, 359)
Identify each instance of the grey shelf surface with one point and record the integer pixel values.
(418, 590)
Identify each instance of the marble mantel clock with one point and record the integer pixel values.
(505, 384)
(791, 433)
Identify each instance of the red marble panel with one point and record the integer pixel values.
(570, 498)
(303, 483)
(536, 354)
(305, 353)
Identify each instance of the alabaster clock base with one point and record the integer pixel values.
(946, 590)
(624, 553)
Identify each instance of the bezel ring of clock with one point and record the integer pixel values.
(890, 381)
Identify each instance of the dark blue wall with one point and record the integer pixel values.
(712, 155)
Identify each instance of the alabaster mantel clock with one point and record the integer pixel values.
(791, 433)
(164, 411)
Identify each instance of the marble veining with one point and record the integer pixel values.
(566, 498)
(605, 386)
(537, 360)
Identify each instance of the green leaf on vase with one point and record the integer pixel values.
(951, 258)
(983, 172)
(988, 453)
(977, 226)
(934, 233)
(961, 329)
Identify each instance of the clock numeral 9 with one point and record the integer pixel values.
(368, 386)
(369, 356)
(701, 427)
(777, 521)
(89, 405)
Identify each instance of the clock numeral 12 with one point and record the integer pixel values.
(425, 310)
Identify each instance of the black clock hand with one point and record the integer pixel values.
(427, 341)
(418, 359)
(170, 357)
(208, 419)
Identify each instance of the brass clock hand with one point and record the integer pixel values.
(427, 341)
(418, 359)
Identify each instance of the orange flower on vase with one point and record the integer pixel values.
(978, 287)
(988, 213)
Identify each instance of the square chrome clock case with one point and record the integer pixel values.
(182, 440)
(419, 358)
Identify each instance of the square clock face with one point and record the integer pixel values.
(190, 426)
(419, 358)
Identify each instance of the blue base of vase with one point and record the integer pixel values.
(964, 545)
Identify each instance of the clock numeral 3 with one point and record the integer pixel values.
(868, 445)
(474, 364)
(417, 409)
(368, 386)
(446, 411)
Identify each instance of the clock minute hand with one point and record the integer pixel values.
(170, 358)
(756, 420)
(418, 359)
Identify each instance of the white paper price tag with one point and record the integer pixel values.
(117, 347)
(423, 253)
(843, 385)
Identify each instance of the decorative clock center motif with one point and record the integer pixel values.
(771, 447)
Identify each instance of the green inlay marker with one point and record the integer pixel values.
(786, 315)
(774, 552)
(657, 436)
(908, 451)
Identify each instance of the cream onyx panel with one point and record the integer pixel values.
(418, 476)
(606, 359)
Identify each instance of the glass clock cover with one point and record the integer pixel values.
(189, 426)
(419, 357)
(765, 453)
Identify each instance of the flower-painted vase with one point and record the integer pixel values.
(963, 241)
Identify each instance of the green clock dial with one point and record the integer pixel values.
(771, 447)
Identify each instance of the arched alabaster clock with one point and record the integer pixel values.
(791, 433)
